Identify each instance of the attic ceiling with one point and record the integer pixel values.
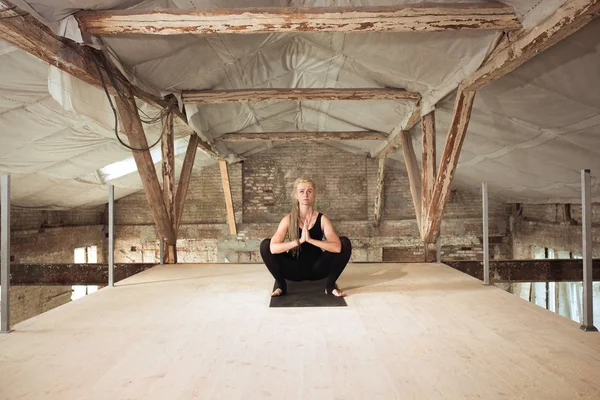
(531, 131)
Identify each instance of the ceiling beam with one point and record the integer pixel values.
(28, 34)
(526, 44)
(401, 18)
(258, 95)
(301, 136)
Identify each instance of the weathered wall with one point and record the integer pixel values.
(556, 226)
(261, 188)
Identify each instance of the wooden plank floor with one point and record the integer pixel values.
(410, 331)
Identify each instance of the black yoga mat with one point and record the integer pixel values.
(307, 294)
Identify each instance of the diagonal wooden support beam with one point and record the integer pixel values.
(135, 133)
(285, 94)
(402, 18)
(414, 177)
(428, 163)
(395, 138)
(301, 136)
(168, 179)
(379, 195)
(448, 163)
(184, 180)
(526, 44)
(28, 34)
(228, 198)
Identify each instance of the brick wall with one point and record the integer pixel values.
(544, 225)
(261, 188)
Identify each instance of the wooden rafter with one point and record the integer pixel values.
(403, 18)
(135, 133)
(379, 195)
(28, 34)
(414, 177)
(428, 163)
(259, 95)
(228, 198)
(511, 53)
(301, 136)
(526, 44)
(448, 163)
(184, 179)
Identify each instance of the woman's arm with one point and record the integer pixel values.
(332, 242)
(278, 243)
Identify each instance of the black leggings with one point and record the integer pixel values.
(329, 265)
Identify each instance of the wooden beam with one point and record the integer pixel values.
(258, 95)
(301, 136)
(414, 177)
(184, 179)
(28, 34)
(137, 139)
(526, 44)
(448, 163)
(395, 138)
(379, 195)
(403, 18)
(567, 270)
(228, 198)
(168, 178)
(428, 163)
(71, 274)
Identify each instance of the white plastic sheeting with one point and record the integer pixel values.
(530, 132)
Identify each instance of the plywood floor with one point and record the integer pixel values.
(410, 331)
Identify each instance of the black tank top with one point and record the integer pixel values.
(308, 251)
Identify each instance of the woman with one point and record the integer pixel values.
(305, 255)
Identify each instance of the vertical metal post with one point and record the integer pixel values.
(486, 245)
(586, 235)
(438, 250)
(111, 235)
(161, 247)
(5, 253)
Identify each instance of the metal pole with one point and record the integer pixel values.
(5, 254)
(586, 234)
(111, 235)
(438, 250)
(486, 245)
(161, 247)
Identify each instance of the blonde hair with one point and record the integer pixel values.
(295, 213)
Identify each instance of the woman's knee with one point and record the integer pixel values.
(265, 247)
(346, 244)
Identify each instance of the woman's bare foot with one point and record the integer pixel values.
(336, 292)
(277, 292)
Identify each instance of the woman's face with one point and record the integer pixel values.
(305, 194)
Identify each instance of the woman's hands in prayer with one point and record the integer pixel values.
(305, 237)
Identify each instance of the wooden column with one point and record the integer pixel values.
(448, 163)
(428, 164)
(414, 177)
(228, 198)
(168, 176)
(379, 195)
(133, 128)
(184, 179)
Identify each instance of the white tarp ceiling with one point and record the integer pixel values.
(530, 133)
